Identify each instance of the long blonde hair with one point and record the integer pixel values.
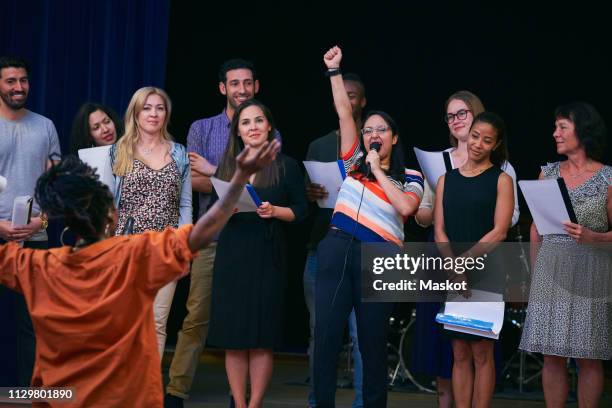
(124, 159)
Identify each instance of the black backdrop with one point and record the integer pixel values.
(522, 63)
(520, 60)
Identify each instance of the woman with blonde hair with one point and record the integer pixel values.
(152, 181)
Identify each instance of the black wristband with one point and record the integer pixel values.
(333, 71)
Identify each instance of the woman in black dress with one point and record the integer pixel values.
(474, 204)
(249, 271)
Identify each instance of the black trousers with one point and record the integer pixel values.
(335, 296)
(20, 326)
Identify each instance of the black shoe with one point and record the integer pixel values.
(172, 401)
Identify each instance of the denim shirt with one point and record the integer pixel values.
(179, 156)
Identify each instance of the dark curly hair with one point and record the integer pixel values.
(590, 127)
(80, 135)
(73, 192)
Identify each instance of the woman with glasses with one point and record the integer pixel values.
(474, 209)
(432, 353)
(375, 199)
(569, 314)
(460, 109)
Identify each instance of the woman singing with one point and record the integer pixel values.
(376, 198)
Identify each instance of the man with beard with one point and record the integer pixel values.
(27, 139)
(206, 143)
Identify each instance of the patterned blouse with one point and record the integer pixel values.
(151, 197)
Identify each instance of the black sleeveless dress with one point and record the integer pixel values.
(469, 213)
(469, 204)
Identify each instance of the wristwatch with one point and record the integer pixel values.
(44, 221)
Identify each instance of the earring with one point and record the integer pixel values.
(62, 236)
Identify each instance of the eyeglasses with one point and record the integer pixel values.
(461, 114)
(370, 131)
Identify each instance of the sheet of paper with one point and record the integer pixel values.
(22, 210)
(329, 175)
(245, 202)
(546, 205)
(99, 159)
(482, 306)
(432, 165)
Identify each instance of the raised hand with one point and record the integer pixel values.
(248, 162)
(333, 57)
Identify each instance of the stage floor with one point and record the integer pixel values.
(288, 388)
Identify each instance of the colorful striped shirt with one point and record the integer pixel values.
(363, 208)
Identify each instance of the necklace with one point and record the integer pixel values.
(575, 176)
(148, 150)
(475, 171)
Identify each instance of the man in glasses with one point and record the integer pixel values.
(27, 139)
(327, 149)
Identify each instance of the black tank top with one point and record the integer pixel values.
(469, 204)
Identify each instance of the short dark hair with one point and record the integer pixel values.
(590, 127)
(235, 63)
(13, 62)
(351, 76)
(80, 135)
(499, 155)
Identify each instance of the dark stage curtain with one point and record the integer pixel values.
(82, 51)
(79, 51)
